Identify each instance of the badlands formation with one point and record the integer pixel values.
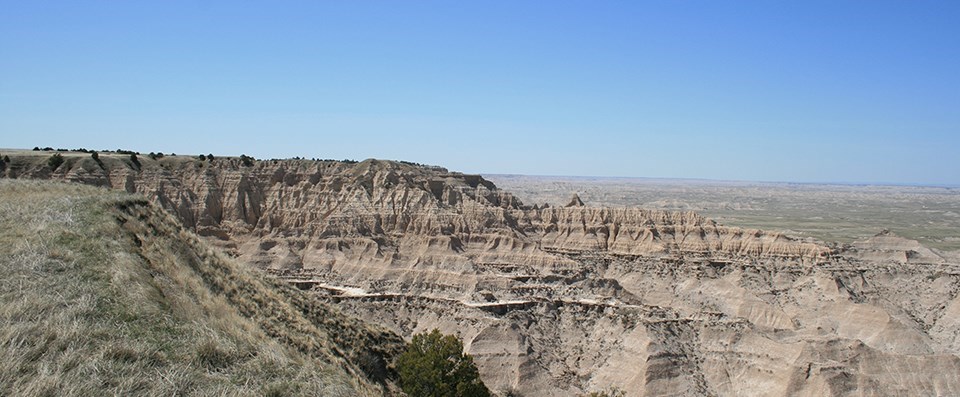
(560, 301)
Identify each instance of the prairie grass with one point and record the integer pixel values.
(103, 293)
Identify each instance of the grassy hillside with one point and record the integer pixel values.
(37, 164)
(104, 293)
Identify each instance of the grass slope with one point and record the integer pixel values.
(103, 293)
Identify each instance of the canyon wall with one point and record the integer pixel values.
(556, 301)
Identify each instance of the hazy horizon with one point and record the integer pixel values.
(548, 176)
(811, 92)
(729, 181)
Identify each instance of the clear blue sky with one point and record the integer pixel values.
(829, 91)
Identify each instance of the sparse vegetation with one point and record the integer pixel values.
(135, 160)
(247, 161)
(612, 392)
(511, 393)
(434, 365)
(55, 161)
(105, 294)
(427, 166)
(96, 158)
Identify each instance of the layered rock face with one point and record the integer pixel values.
(562, 301)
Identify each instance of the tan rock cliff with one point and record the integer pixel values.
(561, 301)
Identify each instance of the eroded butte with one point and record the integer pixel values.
(556, 301)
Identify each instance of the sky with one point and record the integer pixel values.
(799, 91)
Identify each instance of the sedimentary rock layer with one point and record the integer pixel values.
(561, 301)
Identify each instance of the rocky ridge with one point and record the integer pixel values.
(559, 301)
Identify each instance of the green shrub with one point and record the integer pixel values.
(247, 161)
(135, 160)
(55, 161)
(434, 365)
(96, 158)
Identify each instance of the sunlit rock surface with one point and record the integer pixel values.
(561, 301)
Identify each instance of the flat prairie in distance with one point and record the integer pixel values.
(839, 213)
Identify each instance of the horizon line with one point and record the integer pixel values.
(688, 179)
(767, 182)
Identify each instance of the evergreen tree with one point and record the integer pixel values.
(434, 365)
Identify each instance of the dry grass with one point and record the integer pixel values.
(34, 164)
(103, 293)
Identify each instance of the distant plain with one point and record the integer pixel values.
(828, 212)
